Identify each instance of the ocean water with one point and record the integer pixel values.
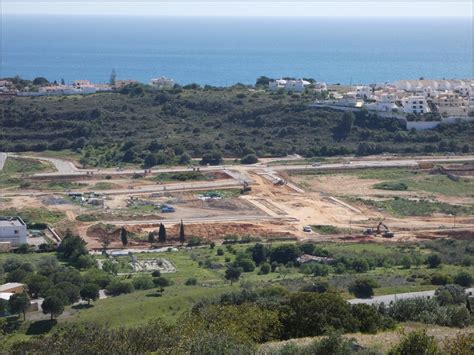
(224, 51)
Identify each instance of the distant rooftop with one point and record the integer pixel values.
(11, 221)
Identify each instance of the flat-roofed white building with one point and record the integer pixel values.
(288, 85)
(162, 82)
(451, 104)
(13, 230)
(415, 105)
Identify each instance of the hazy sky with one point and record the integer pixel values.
(379, 8)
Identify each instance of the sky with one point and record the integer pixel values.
(335, 8)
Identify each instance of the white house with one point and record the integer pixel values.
(12, 230)
(162, 82)
(288, 85)
(415, 105)
(363, 91)
(385, 102)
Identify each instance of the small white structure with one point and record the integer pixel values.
(415, 105)
(13, 230)
(162, 82)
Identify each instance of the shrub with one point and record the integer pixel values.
(161, 281)
(220, 251)
(192, 281)
(363, 288)
(144, 282)
(463, 279)
(433, 261)
(246, 264)
(417, 342)
(265, 268)
(450, 294)
(440, 279)
(117, 287)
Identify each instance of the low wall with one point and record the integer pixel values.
(424, 125)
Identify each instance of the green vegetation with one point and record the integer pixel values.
(405, 207)
(14, 170)
(33, 216)
(395, 186)
(265, 281)
(141, 125)
(182, 176)
(327, 229)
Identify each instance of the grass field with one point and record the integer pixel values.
(14, 167)
(34, 215)
(404, 207)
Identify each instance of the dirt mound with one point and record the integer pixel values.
(219, 231)
(101, 230)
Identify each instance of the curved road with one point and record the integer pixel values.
(386, 299)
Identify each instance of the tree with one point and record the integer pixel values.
(345, 126)
(233, 273)
(162, 233)
(110, 267)
(363, 288)
(265, 268)
(72, 247)
(63, 82)
(283, 254)
(182, 237)
(151, 237)
(259, 253)
(37, 284)
(90, 292)
(70, 291)
(463, 278)
(40, 81)
(211, 158)
(417, 342)
(124, 236)
(433, 260)
(113, 77)
(249, 159)
(150, 160)
(19, 303)
(52, 305)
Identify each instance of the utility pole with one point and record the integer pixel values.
(113, 77)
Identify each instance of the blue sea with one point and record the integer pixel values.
(224, 51)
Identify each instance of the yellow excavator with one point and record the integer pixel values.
(381, 229)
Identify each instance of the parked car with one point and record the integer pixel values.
(307, 229)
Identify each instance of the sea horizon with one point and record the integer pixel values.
(230, 50)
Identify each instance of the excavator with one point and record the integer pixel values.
(381, 229)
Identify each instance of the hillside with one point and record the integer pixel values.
(128, 126)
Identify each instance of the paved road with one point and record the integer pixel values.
(62, 166)
(67, 168)
(3, 158)
(399, 296)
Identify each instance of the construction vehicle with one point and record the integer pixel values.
(381, 229)
(245, 188)
(279, 182)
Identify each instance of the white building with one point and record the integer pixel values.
(162, 82)
(385, 102)
(363, 91)
(451, 104)
(12, 230)
(415, 105)
(471, 99)
(320, 87)
(288, 85)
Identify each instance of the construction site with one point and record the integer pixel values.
(378, 199)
